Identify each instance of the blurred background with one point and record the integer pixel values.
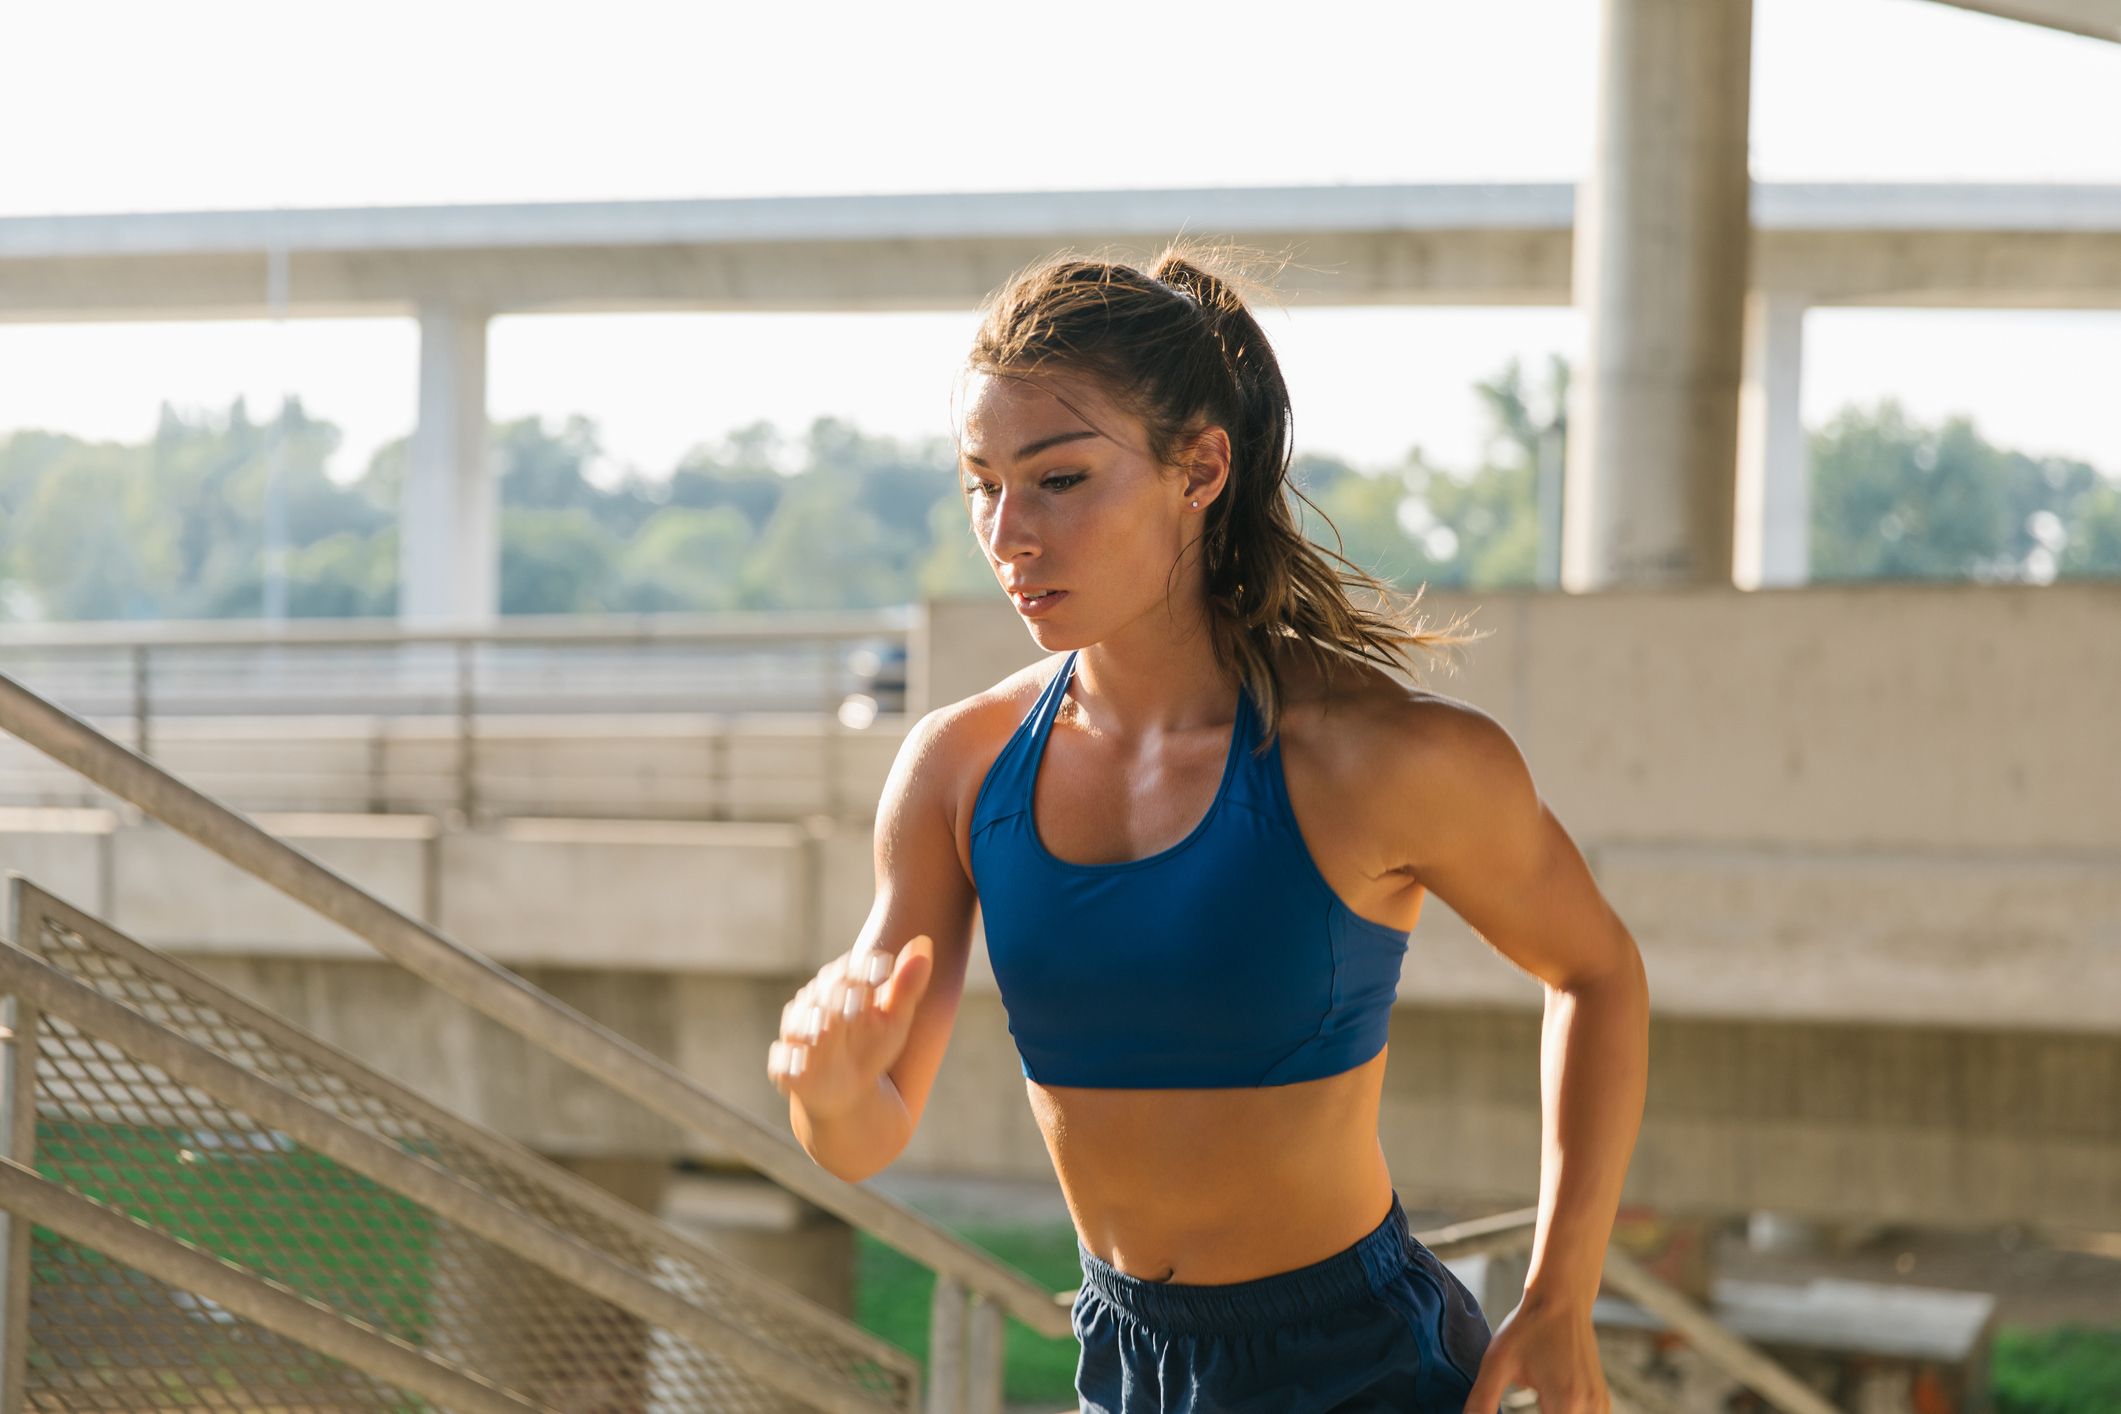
(506, 453)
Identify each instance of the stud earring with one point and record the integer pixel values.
(1196, 505)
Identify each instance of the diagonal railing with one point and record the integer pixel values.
(156, 1119)
(973, 1290)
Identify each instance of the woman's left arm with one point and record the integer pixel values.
(1489, 847)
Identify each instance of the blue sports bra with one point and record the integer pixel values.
(1225, 960)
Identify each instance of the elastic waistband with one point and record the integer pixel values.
(1350, 1275)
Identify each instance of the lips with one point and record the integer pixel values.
(1039, 605)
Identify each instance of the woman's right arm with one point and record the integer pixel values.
(857, 1083)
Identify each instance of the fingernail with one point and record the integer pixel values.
(853, 1005)
(797, 1060)
(814, 1020)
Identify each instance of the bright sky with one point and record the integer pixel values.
(190, 106)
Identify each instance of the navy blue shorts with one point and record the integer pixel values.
(1380, 1326)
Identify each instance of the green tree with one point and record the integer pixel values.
(686, 560)
(2092, 536)
(1894, 499)
(819, 551)
(1424, 523)
(556, 562)
(1365, 509)
(837, 518)
(955, 567)
(81, 551)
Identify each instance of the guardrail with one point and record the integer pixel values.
(692, 767)
(369, 715)
(970, 1281)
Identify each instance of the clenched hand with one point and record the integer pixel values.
(847, 1025)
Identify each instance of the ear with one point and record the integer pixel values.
(1205, 457)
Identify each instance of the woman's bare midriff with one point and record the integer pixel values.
(1212, 1186)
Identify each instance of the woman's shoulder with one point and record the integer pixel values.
(1351, 696)
(1378, 734)
(969, 720)
(958, 742)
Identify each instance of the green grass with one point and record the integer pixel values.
(2066, 1370)
(892, 1293)
(271, 1207)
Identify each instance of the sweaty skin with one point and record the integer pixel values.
(1170, 1185)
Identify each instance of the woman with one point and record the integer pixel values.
(1198, 833)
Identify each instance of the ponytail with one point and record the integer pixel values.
(1177, 347)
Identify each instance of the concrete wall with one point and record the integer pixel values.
(1899, 803)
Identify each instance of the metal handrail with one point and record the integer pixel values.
(575, 1261)
(532, 1013)
(191, 1005)
(772, 626)
(1717, 1343)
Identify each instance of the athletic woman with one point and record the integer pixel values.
(1198, 833)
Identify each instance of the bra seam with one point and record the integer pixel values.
(992, 821)
(1293, 837)
(1332, 1001)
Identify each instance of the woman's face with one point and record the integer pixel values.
(1064, 494)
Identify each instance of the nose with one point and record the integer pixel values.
(1010, 532)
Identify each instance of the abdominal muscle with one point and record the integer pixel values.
(1212, 1186)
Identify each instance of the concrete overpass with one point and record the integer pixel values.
(454, 268)
(1686, 456)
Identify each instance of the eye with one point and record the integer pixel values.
(1054, 483)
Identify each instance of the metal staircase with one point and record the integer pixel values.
(409, 1253)
(370, 1246)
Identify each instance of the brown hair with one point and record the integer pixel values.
(1177, 348)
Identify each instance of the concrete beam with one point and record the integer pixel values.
(1993, 245)
(2094, 19)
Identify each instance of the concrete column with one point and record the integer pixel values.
(1774, 541)
(1660, 272)
(448, 543)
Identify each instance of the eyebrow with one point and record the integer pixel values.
(1033, 448)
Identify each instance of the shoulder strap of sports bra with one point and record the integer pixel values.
(1257, 779)
(1007, 790)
